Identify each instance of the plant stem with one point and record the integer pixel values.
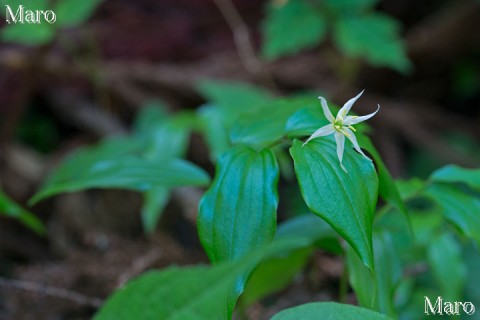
(343, 290)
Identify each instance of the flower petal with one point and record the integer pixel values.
(353, 139)
(347, 106)
(326, 110)
(323, 131)
(350, 120)
(340, 140)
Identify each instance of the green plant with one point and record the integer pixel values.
(11, 209)
(69, 13)
(391, 262)
(356, 29)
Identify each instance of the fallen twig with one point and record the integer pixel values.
(51, 291)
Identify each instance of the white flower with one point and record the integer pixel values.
(341, 126)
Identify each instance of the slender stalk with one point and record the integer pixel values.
(343, 290)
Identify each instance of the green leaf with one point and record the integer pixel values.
(328, 311)
(268, 125)
(459, 208)
(155, 200)
(273, 275)
(291, 27)
(10, 209)
(28, 34)
(202, 293)
(24, 33)
(471, 256)
(374, 37)
(344, 6)
(30, 5)
(277, 272)
(308, 119)
(127, 172)
(386, 185)
(234, 97)
(72, 13)
(169, 139)
(345, 200)
(387, 275)
(453, 173)
(305, 121)
(165, 138)
(152, 114)
(213, 124)
(410, 188)
(445, 258)
(308, 226)
(238, 212)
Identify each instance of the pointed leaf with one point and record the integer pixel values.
(266, 126)
(11, 209)
(345, 200)
(450, 273)
(128, 172)
(374, 37)
(74, 13)
(461, 209)
(376, 291)
(291, 27)
(214, 126)
(386, 185)
(200, 293)
(238, 212)
(328, 311)
(453, 173)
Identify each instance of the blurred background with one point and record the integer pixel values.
(86, 77)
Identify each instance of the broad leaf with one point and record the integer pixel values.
(277, 272)
(11, 209)
(165, 138)
(200, 292)
(305, 121)
(74, 13)
(445, 259)
(374, 37)
(153, 113)
(459, 208)
(25, 33)
(214, 126)
(127, 172)
(28, 34)
(386, 185)
(267, 126)
(238, 212)
(328, 311)
(453, 173)
(377, 290)
(290, 27)
(471, 256)
(410, 188)
(227, 101)
(313, 228)
(273, 275)
(345, 200)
